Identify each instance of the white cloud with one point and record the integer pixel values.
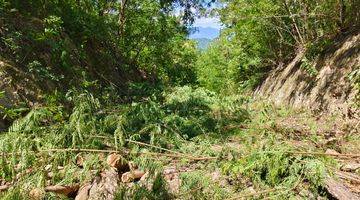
(208, 22)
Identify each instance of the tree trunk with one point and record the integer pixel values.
(342, 14)
(122, 17)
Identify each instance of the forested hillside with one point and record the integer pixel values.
(110, 99)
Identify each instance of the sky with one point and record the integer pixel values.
(207, 27)
(208, 22)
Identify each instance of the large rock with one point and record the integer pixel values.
(105, 186)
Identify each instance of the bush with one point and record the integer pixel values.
(182, 113)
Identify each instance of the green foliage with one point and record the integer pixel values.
(203, 43)
(308, 67)
(183, 113)
(127, 54)
(14, 194)
(2, 95)
(31, 122)
(260, 35)
(113, 44)
(275, 167)
(355, 79)
(158, 190)
(43, 73)
(177, 115)
(267, 156)
(53, 26)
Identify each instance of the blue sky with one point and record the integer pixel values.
(205, 23)
(208, 22)
(207, 27)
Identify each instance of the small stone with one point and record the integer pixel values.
(64, 190)
(36, 194)
(79, 161)
(132, 176)
(48, 167)
(350, 167)
(331, 151)
(118, 162)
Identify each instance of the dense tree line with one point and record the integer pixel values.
(262, 34)
(113, 42)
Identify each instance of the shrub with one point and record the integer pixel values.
(182, 113)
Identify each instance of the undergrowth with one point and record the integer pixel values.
(268, 159)
(255, 153)
(35, 141)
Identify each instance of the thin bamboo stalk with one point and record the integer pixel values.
(324, 154)
(128, 152)
(255, 193)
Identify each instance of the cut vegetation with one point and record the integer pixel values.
(112, 100)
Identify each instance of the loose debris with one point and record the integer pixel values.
(350, 167)
(132, 176)
(83, 193)
(5, 187)
(105, 186)
(118, 168)
(118, 162)
(339, 190)
(69, 191)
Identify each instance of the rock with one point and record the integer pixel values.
(217, 177)
(145, 177)
(79, 161)
(132, 176)
(36, 194)
(48, 167)
(290, 84)
(170, 170)
(118, 162)
(5, 187)
(350, 167)
(105, 186)
(331, 151)
(339, 191)
(69, 191)
(146, 181)
(113, 159)
(83, 193)
(133, 166)
(174, 183)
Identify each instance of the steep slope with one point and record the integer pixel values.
(328, 89)
(41, 58)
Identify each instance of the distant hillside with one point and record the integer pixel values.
(203, 43)
(205, 32)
